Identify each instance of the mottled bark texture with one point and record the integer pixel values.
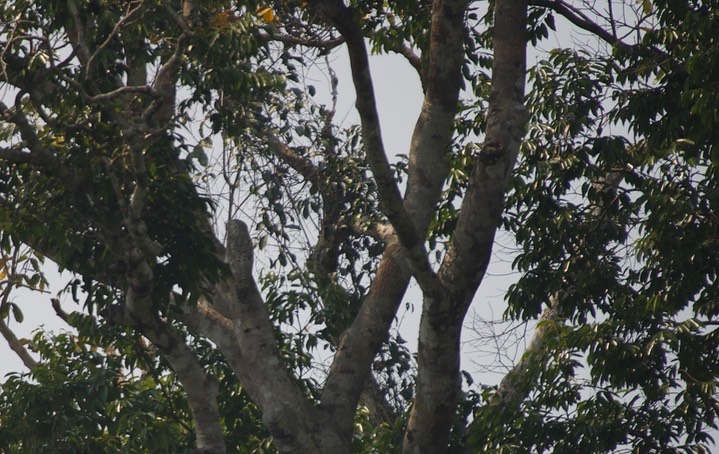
(438, 380)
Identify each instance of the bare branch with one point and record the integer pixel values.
(17, 346)
(325, 45)
(412, 58)
(116, 93)
(581, 20)
(303, 166)
(347, 23)
(130, 14)
(392, 205)
(77, 35)
(180, 20)
(201, 388)
(59, 311)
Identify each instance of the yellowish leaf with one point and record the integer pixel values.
(220, 19)
(646, 6)
(266, 13)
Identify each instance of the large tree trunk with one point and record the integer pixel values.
(438, 380)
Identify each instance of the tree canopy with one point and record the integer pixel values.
(155, 149)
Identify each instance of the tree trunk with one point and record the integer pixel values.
(438, 380)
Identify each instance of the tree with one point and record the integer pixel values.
(138, 132)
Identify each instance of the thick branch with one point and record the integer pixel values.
(430, 146)
(514, 386)
(162, 108)
(201, 388)
(347, 23)
(181, 20)
(412, 58)
(38, 155)
(245, 336)
(303, 166)
(16, 345)
(144, 247)
(351, 365)
(360, 344)
(362, 341)
(15, 156)
(77, 34)
(357, 349)
(323, 261)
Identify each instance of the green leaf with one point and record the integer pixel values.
(16, 312)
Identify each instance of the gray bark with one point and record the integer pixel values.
(470, 249)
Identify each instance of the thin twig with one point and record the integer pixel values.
(129, 14)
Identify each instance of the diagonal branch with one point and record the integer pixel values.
(16, 346)
(346, 21)
(581, 20)
(139, 312)
(321, 261)
(59, 311)
(362, 341)
(516, 385)
(200, 387)
(181, 20)
(129, 15)
(325, 45)
(360, 344)
(412, 58)
(303, 166)
(12, 340)
(77, 34)
(245, 336)
(38, 155)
